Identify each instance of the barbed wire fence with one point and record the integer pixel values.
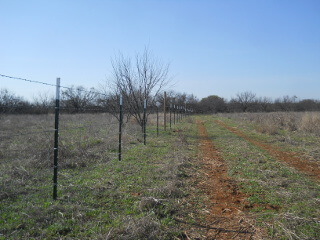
(78, 141)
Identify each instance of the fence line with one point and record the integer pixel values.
(27, 80)
(49, 84)
(172, 108)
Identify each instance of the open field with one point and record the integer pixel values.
(210, 177)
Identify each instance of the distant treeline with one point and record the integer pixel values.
(243, 102)
(73, 100)
(249, 102)
(81, 100)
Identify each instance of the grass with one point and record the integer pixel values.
(152, 193)
(98, 196)
(295, 131)
(284, 201)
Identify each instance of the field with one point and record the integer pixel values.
(225, 176)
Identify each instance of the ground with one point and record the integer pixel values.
(208, 177)
(226, 219)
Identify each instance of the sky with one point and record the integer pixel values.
(214, 47)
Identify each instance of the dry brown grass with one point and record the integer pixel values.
(310, 122)
(147, 227)
(26, 152)
(271, 123)
(98, 196)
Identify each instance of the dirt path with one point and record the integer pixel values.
(312, 169)
(226, 219)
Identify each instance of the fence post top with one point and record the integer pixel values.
(58, 89)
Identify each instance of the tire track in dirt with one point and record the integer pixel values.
(226, 219)
(311, 169)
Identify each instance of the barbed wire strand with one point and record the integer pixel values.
(54, 85)
(27, 80)
(49, 84)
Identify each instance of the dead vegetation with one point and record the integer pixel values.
(26, 148)
(272, 123)
(99, 197)
(144, 228)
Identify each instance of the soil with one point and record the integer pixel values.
(311, 169)
(227, 204)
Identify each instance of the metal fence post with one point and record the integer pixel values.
(144, 121)
(56, 138)
(120, 127)
(178, 114)
(185, 109)
(170, 113)
(157, 120)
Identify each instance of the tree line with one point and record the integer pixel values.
(143, 79)
(78, 99)
(250, 102)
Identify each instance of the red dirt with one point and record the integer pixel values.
(311, 169)
(226, 219)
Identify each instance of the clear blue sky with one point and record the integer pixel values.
(221, 47)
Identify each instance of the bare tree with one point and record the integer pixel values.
(110, 103)
(43, 102)
(137, 80)
(10, 103)
(245, 99)
(265, 104)
(286, 103)
(179, 99)
(170, 97)
(192, 102)
(76, 99)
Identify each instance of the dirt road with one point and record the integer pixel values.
(226, 220)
